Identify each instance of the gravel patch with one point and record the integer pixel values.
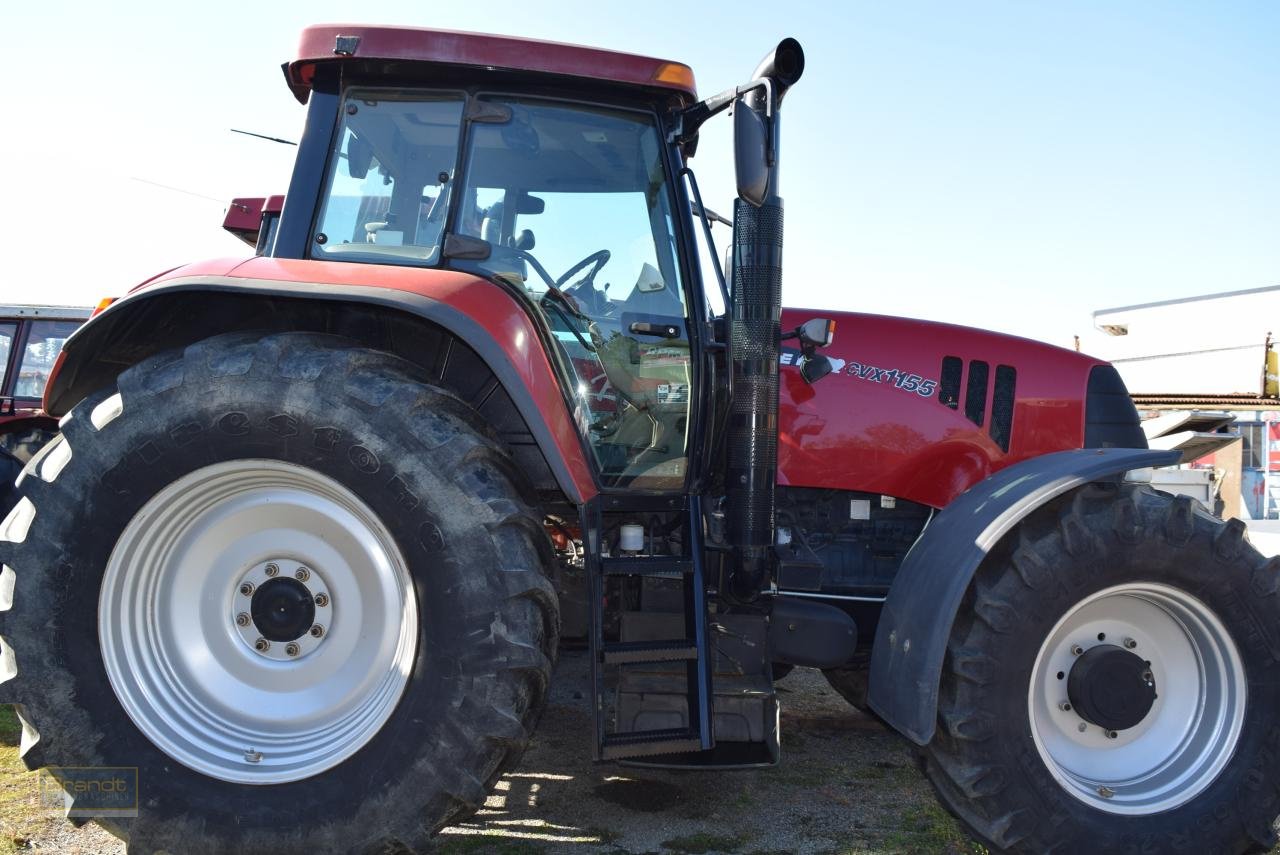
(845, 785)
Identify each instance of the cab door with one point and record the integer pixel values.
(573, 205)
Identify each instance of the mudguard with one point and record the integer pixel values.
(475, 311)
(911, 640)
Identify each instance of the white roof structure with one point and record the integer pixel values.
(1208, 345)
(52, 313)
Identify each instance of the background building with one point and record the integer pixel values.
(1201, 366)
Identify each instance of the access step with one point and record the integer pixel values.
(649, 743)
(631, 652)
(654, 567)
(744, 709)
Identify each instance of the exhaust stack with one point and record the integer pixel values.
(755, 331)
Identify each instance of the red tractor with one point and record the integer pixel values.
(31, 337)
(317, 520)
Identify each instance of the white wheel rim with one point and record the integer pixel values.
(1191, 730)
(189, 676)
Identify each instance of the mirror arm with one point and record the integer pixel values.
(689, 120)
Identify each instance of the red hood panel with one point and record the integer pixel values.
(877, 423)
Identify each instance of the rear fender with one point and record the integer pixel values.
(915, 624)
(176, 312)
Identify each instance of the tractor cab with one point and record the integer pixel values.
(569, 206)
(568, 192)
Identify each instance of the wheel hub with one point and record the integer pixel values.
(1111, 687)
(282, 609)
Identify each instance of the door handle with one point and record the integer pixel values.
(658, 330)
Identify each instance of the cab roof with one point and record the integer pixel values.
(325, 43)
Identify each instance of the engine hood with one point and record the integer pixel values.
(922, 410)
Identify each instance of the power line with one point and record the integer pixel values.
(177, 190)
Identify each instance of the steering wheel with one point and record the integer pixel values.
(599, 259)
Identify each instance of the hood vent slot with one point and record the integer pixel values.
(975, 394)
(949, 381)
(1002, 405)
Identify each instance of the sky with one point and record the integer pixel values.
(1009, 165)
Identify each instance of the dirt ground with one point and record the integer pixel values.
(845, 785)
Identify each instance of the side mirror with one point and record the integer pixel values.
(359, 157)
(750, 139)
(813, 334)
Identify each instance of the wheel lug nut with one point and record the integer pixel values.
(302, 574)
(317, 631)
(246, 589)
(292, 649)
(1082, 727)
(1130, 643)
(322, 600)
(1111, 734)
(242, 619)
(1065, 706)
(262, 645)
(1076, 650)
(252, 756)
(272, 569)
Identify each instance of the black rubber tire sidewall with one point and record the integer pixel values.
(983, 760)
(442, 495)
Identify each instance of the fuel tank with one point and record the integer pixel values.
(922, 410)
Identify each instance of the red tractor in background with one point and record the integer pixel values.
(31, 337)
(317, 520)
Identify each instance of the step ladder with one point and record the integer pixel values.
(688, 647)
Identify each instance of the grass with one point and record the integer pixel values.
(486, 844)
(701, 843)
(928, 828)
(21, 816)
(10, 727)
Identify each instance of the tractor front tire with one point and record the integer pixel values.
(1112, 683)
(296, 587)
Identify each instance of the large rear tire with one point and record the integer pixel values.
(1112, 684)
(297, 587)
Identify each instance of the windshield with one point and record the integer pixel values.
(568, 203)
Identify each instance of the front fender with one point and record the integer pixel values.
(911, 639)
